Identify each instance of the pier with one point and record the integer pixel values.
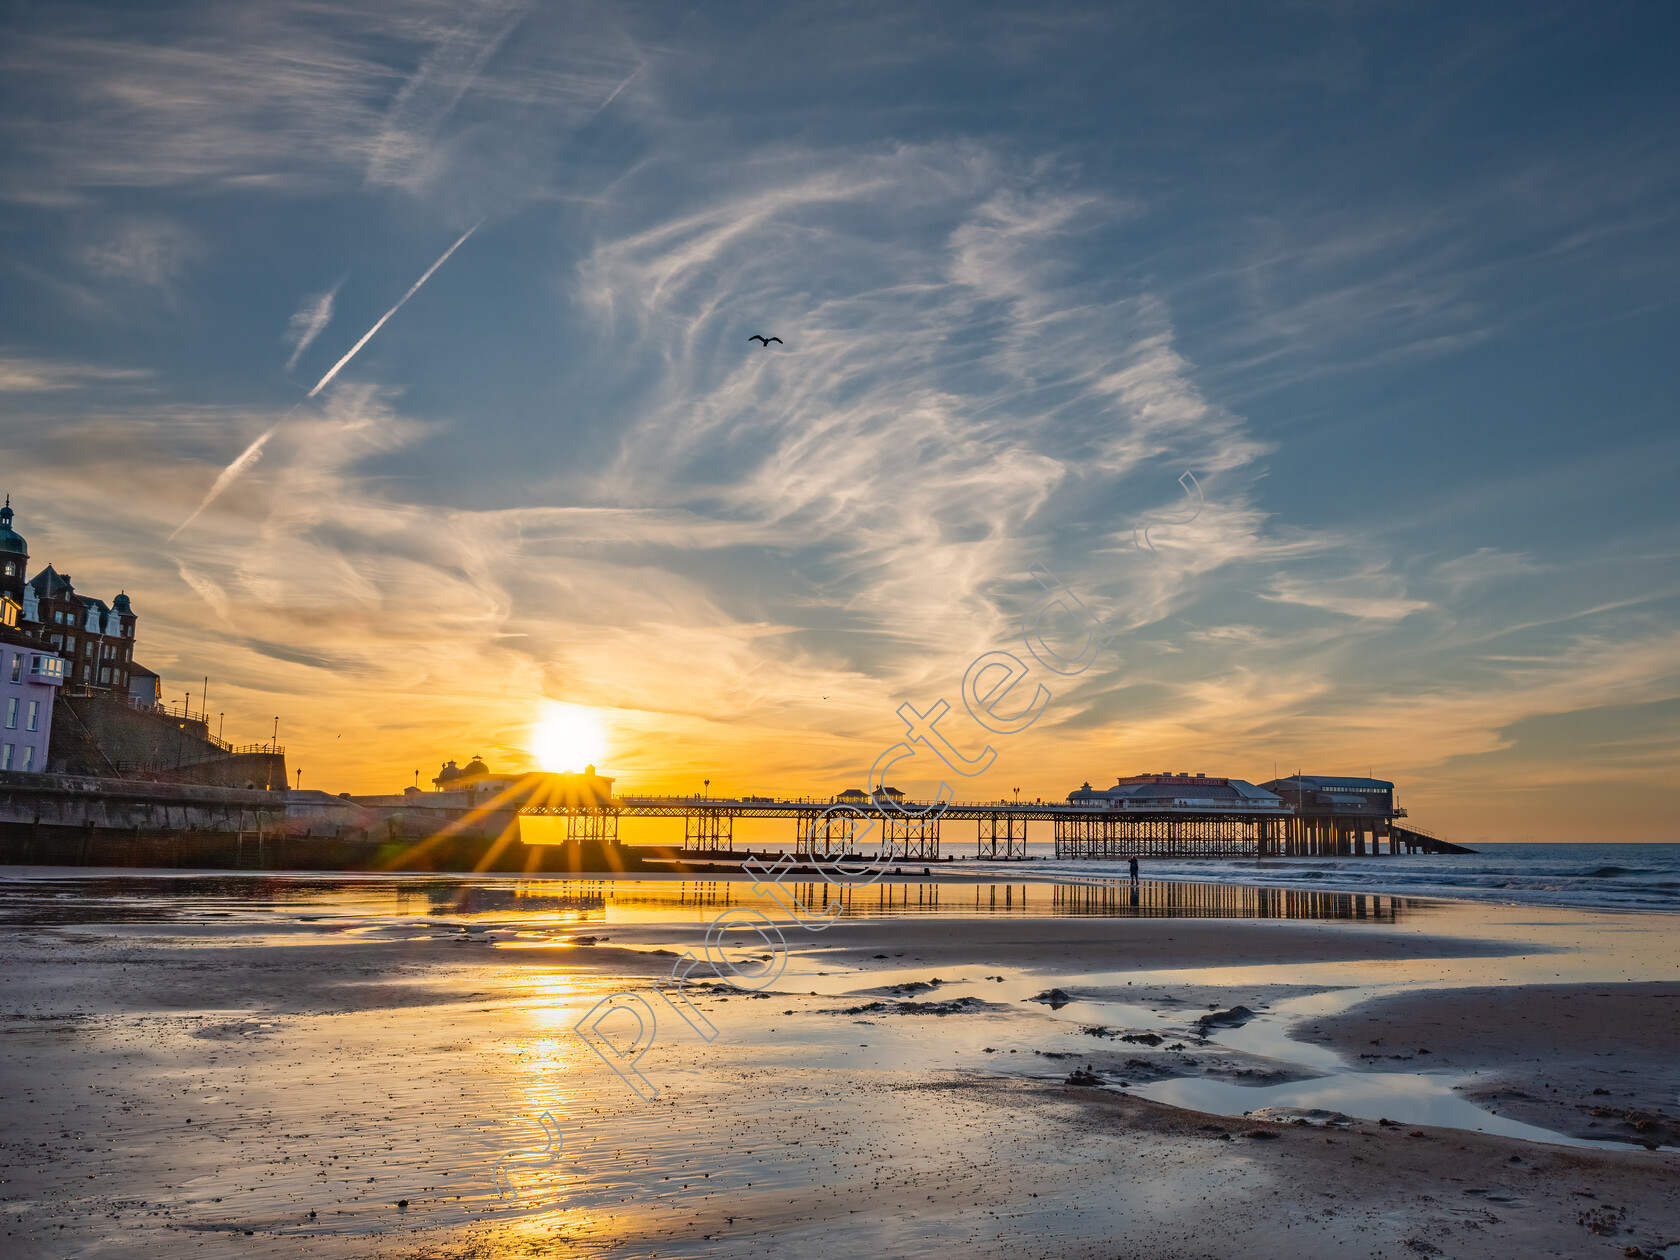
(81, 820)
(1297, 817)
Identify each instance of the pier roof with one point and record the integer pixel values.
(1332, 783)
(1170, 789)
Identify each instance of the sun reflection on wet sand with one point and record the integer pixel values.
(370, 1050)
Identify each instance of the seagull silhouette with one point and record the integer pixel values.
(766, 340)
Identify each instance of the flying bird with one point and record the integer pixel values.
(767, 340)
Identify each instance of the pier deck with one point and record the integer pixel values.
(830, 828)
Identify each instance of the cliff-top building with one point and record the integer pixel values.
(81, 703)
(95, 639)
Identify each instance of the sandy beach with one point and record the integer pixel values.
(253, 1066)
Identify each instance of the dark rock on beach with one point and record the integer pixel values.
(954, 1006)
(1055, 999)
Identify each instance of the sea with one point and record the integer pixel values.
(1586, 876)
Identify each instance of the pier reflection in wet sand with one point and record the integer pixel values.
(140, 898)
(572, 901)
(1148, 899)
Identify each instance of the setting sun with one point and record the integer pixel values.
(567, 739)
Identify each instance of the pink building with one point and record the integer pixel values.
(29, 680)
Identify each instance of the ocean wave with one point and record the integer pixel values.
(1577, 876)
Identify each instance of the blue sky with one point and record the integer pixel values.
(1395, 282)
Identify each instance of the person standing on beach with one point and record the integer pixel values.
(1134, 870)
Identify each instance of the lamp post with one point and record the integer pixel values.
(1017, 796)
(275, 742)
(300, 778)
(708, 786)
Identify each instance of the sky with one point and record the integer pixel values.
(1395, 284)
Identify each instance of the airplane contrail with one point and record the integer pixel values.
(412, 290)
(610, 99)
(251, 455)
(253, 452)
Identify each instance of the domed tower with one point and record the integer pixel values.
(125, 615)
(14, 555)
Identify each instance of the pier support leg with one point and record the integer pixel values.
(711, 829)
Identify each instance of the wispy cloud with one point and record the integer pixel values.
(403, 149)
(296, 99)
(25, 374)
(308, 321)
(151, 253)
(1005, 402)
(1372, 594)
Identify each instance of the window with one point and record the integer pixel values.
(11, 714)
(5, 756)
(34, 722)
(17, 666)
(28, 758)
(11, 568)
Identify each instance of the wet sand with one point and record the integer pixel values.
(276, 1078)
(1589, 1060)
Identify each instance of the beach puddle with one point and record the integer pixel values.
(1408, 1098)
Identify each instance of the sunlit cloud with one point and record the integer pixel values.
(1361, 595)
(24, 374)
